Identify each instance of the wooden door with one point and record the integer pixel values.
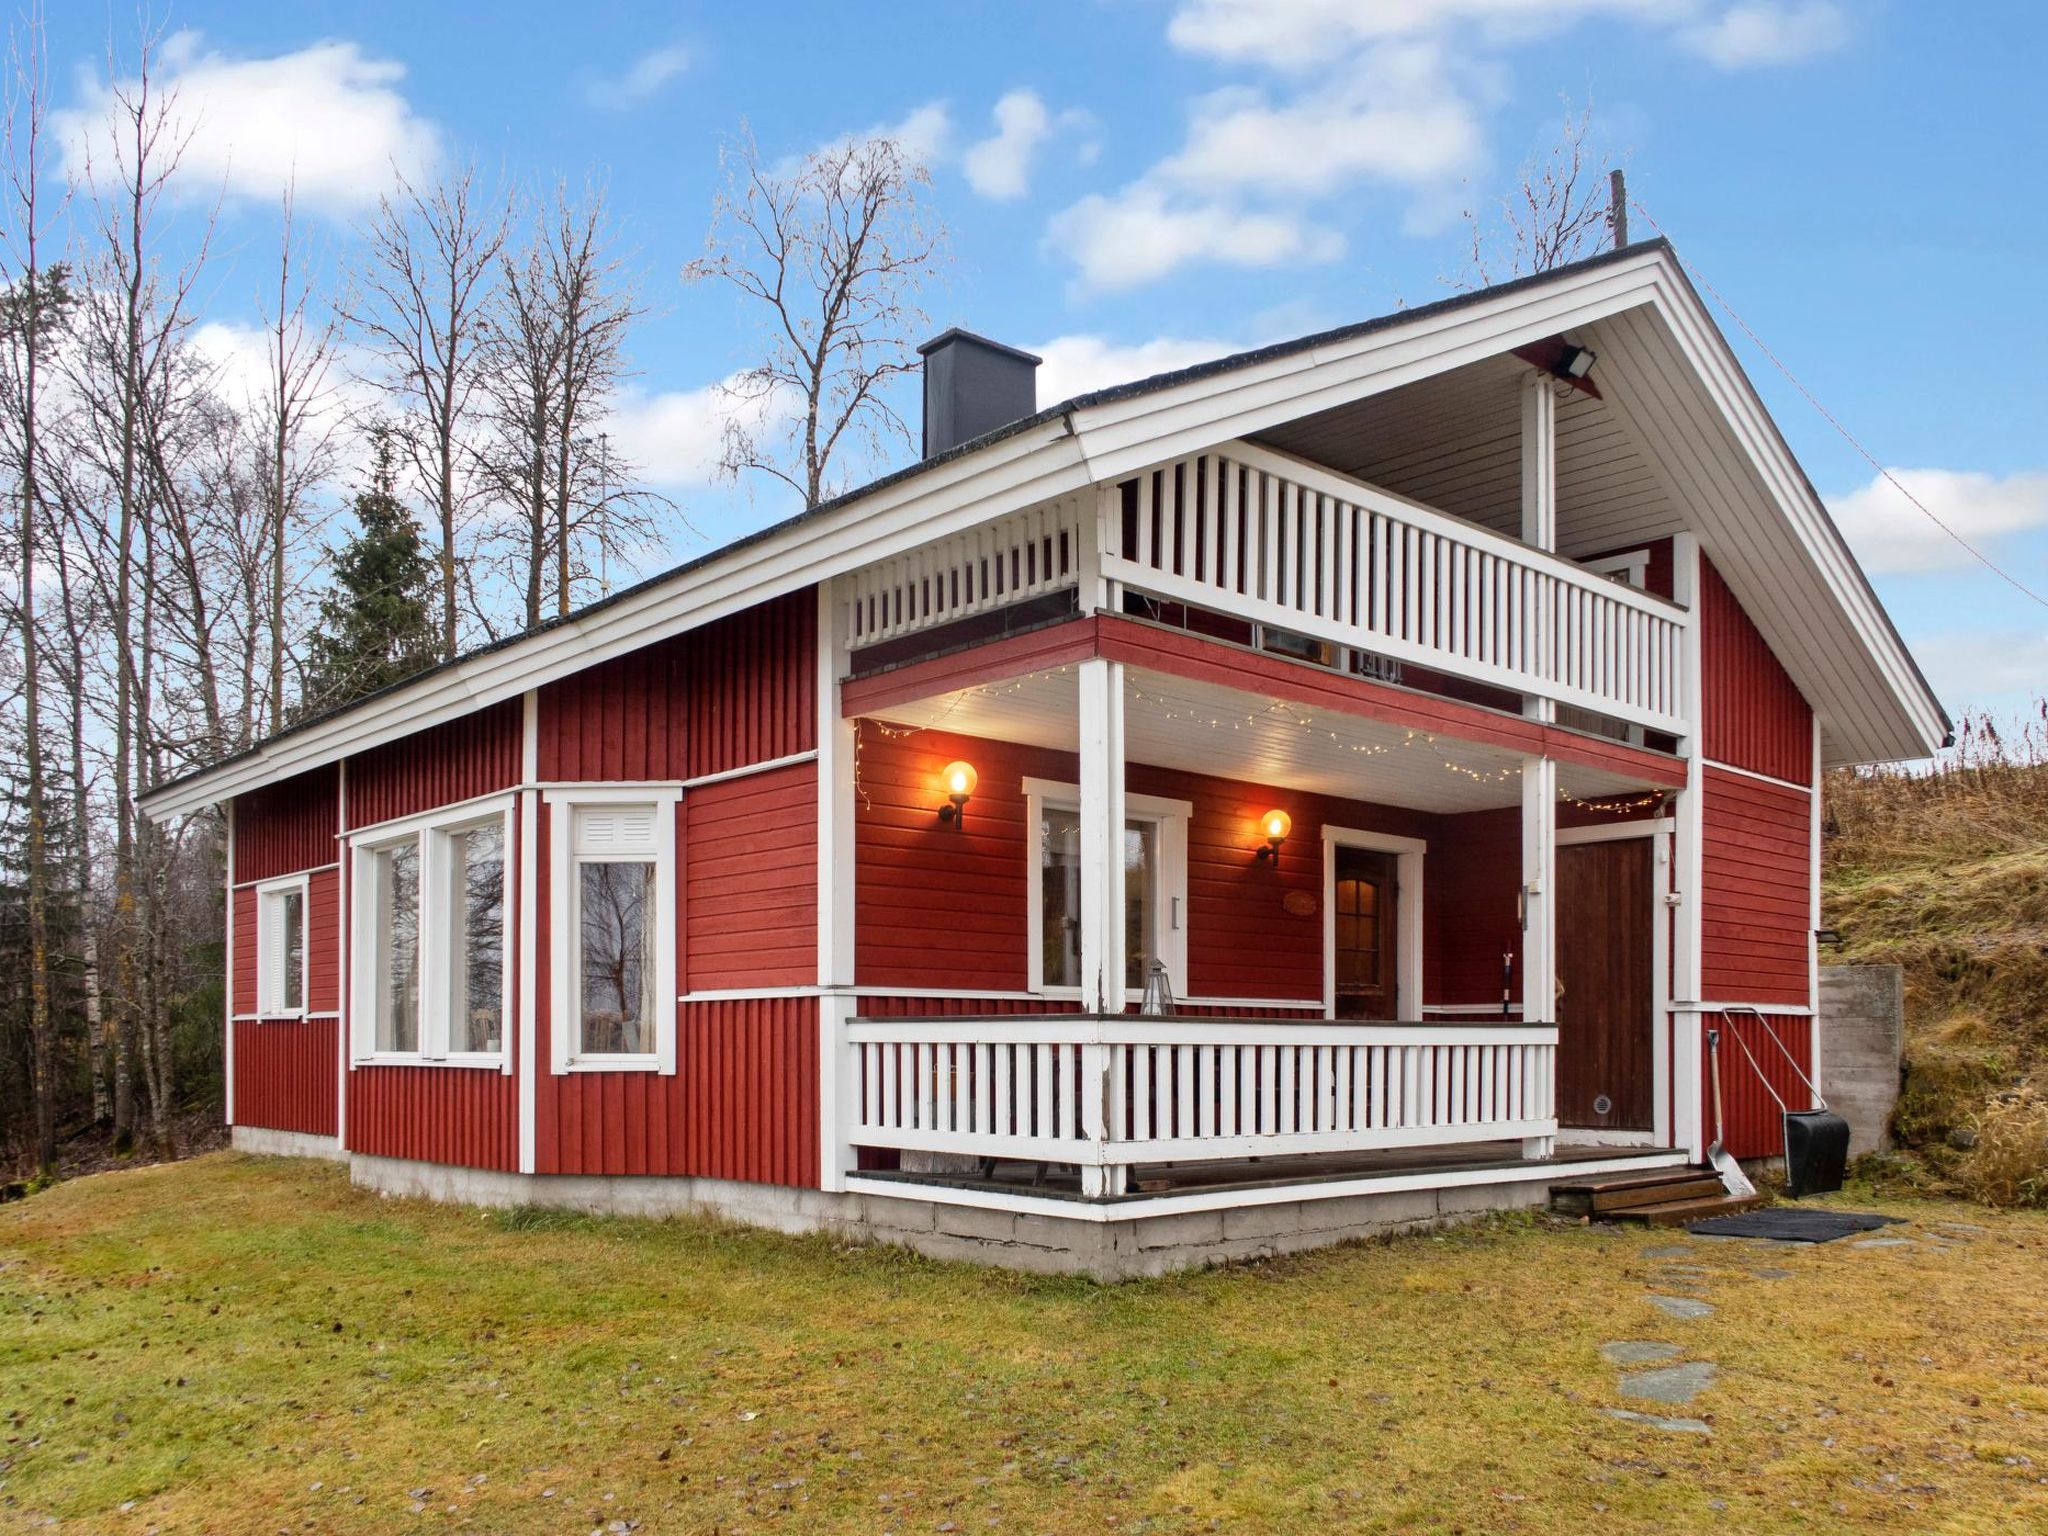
(1606, 908)
(1365, 925)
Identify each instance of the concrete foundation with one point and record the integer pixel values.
(1862, 1032)
(269, 1143)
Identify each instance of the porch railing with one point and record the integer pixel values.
(1104, 1093)
(1024, 555)
(1293, 546)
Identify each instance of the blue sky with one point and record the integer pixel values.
(1132, 184)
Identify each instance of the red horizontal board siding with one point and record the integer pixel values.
(1752, 713)
(1757, 907)
(285, 1072)
(750, 861)
(475, 755)
(468, 1116)
(945, 906)
(743, 1103)
(1753, 1125)
(288, 826)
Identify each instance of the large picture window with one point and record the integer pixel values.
(614, 962)
(281, 947)
(430, 938)
(1154, 879)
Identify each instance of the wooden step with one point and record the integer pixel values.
(1676, 1213)
(1590, 1197)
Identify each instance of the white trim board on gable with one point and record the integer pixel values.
(1756, 514)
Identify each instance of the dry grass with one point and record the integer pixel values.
(1945, 873)
(239, 1344)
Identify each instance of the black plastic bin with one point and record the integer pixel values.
(1816, 1151)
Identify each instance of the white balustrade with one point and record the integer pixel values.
(1266, 537)
(1110, 1092)
(990, 566)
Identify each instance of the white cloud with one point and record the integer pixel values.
(1077, 365)
(925, 134)
(1143, 232)
(673, 438)
(328, 120)
(1763, 33)
(1892, 536)
(1983, 670)
(1000, 166)
(1309, 34)
(645, 78)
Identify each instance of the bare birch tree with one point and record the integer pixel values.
(423, 290)
(1556, 213)
(831, 256)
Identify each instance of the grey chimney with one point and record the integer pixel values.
(973, 385)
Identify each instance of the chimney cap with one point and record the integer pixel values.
(958, 333)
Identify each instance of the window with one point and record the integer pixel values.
(1155, 884)
(431, 934)
(281, 947)
(614, 991)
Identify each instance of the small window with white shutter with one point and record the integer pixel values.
(614, 994)
(281, 948)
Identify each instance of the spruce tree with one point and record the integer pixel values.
(376, 624)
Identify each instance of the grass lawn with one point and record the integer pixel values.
(245, 1344)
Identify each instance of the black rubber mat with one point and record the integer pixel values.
(1790, 1224)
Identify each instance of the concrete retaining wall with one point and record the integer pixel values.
(269, 1143)
(1862, 1033)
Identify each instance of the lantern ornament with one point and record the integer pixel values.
(959, 780)
(1274, 827)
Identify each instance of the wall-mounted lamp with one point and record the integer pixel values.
(1574, 362)
(959, 780)
(1274, 827)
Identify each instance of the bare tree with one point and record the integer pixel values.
(1558, 211)
(832, 254)
(423, 291)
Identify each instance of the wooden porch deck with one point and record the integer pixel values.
(1154, 1182)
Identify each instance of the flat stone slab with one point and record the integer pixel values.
(1682, 1306)
(1883, 1242)
(1638, 1352)
(1772, 1274)
(1672, 1384)
(1668, 1251)
(1657, 1421)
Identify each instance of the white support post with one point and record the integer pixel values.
(836, 748)
(344, 922)
(527, 1063)
(1539, 513)
(1539, 912)
(228, 967)
(1688, 1120)
(1102, 873)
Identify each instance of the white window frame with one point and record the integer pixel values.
(1409, 853)
(564, 996)
(270, 952)
(430, 833)
(1631, 567)
(1170, 879)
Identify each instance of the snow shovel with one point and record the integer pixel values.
(1733, 1179)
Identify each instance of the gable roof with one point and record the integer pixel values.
(1680, 388)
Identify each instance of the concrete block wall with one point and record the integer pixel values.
(1862, 1035)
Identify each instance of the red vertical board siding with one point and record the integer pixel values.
(323, 941)
(443, 765)
(1757, 913)
(945, 906)
(242, 986)
(1472, 881)
(285, 1074)
(1752, 714)
(288, 826)
(739, 691)
(1656, 572)
(750, 861)
(468, 1116)
(1753, 1125)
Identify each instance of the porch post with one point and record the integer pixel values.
(1539, 919)
(1687, 1126)
(836, 1002)
(1102, 877)
(1539, 516)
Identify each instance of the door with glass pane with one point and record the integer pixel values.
(1364, 923)
(1059, 898)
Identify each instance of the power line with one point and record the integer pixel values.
(1832, 420)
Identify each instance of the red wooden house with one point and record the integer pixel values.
(1436, 706)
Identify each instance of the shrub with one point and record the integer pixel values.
(2008, 1165)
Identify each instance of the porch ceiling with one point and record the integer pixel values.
(1200, 727)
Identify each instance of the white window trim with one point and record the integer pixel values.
(1171, 879)
(269, 962)
(1408, 914)
(1632, 566)
(429, 831)
(666, 798)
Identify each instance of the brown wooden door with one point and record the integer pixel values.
(1606, 905)
(1364, 932)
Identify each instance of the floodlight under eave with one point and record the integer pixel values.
(1575, 362)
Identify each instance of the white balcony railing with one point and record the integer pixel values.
(1106, 1093)
(990, 566)
(1287, 544)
